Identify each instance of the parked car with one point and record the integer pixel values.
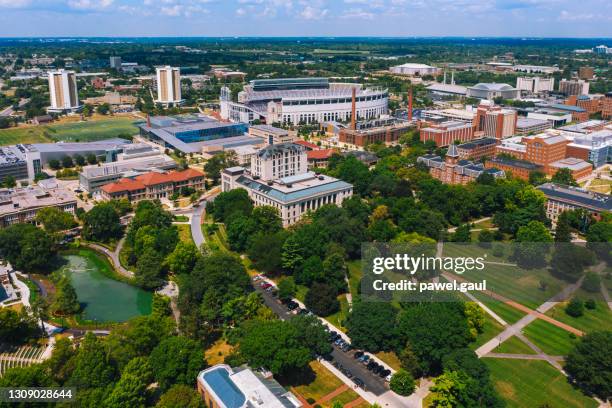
(358, 354)
(359, 382)
(384, 373)
(291, 305)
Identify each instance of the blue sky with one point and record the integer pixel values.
(556, 18)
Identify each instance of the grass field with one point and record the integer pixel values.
(338, 318)
(322, 384)
(184, 232)
(508, 313)
(592, 320)
(532, 383)
(551, 339)
(216, 353)
(355, 275)
(70, 132)
(390, 358)
(217, 237)
(514, 345)
(491, 329)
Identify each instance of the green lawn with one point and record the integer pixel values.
(216, 237)
(337, 319)
(508, 313)
(491, 329)
(514, 345)
(598, 319)
(70, 132)
(355, 275)
(532, 383)
(184, 232)
(315, 387)
(551, 339)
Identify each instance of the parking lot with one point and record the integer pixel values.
(344, 361)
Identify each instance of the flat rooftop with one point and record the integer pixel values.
(137, 164)
(73, 147)
(589, 199)
(30, 197)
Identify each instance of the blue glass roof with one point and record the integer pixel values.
(225, 388)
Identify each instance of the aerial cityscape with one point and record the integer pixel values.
(324, 204)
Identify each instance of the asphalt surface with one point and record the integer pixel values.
(196, 224)
(373, 383)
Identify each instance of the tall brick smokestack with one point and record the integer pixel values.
(148, 120)
(410, 104)
(354, 110)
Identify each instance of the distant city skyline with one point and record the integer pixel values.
(397, 18)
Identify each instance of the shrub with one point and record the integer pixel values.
(402, 383)
(575, 308)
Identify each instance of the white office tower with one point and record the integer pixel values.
(63, 92)
(535, 85)
(169, 86)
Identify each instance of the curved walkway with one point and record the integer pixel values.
(113, 256)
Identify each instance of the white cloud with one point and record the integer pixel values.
(358, 13)
(90, 4)
(14, 3)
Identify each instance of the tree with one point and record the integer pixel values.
(485, 237)
(67, 162)
(434, 330)
(575, 307)
(536, 178)
(599, 236)
(563, 232)
(26, 247)
(564, 176)
(102, 223)
(9, 182)
(130, 390)
(265, 250)
(92, 369)
(231, 204)
(569, 260)
(180, 396)
(149, 269)
(16, 327)
(450, 389)
(176, 360)
(79, 160)
(104, 109)
(65, 301)
(322, 299)
(475, 317)
(54, 219)
(402, 383)
(531, 247)
(591, 282)
(462, 234)
(267, 219)
(589, 364)
(183, 258)
(218, 162)
(372, 326)
(54, 164)
(410, 362)
(286, 288)
(91, 159)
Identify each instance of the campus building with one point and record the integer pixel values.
(564, 198)
(279, 177)
(453, 170)
(595, 147)
(440, 115)
(387, 131)
(477, 148)
(526, 126)
(63, 92)
(447, 133)
(414, 69)
(606, 106)
(535, 85)
(518, 168)
(221, 386)
(495, 121)
(21, 204)
(272, 135)
(153, 185)
(168, 86)
(93, 178)
(302, 100)
(195, 133)
(573, 87)
(491, 91)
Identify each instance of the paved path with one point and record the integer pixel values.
(524, 356)
(113, 256)
(197, 216)
(333, 394)
(24, 290)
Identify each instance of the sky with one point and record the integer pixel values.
(396, 18)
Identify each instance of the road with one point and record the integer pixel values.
(9, 111)
(373, 383)
(198, 213)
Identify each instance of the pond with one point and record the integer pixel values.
(102, 298)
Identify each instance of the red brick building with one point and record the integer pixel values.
(495, 121)
(154, 185)
(477, 148)
(606, 106)
(447, 133)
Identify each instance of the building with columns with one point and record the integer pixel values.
(168, 86)
(279, 177)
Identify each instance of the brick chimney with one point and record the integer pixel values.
(148, 120)
(410, 104)
(354, 109)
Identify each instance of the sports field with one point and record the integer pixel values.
(70, 132)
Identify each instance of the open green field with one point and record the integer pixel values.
(551, 339)
(70, 132)
(514, 345)
(506, 312)
(532, 383)
(184, 231)
(338, 318)
(355, 275)
(592, 320)
(491, 329)
(216, 237)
